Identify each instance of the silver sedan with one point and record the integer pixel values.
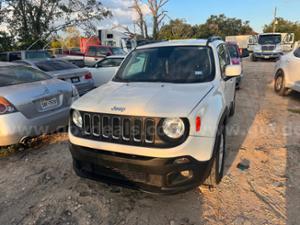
(61, 69)
(31, 103)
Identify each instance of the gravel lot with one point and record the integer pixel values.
(38, 185)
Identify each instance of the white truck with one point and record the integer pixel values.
(116, 38)
(272, 45)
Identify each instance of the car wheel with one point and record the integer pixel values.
(217, 168)
(279, 84)
(253, 58)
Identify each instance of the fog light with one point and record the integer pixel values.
(182, 161)
(187, 173)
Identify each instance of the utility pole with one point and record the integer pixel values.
(275, 22)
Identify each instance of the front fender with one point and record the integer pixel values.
(211, 111)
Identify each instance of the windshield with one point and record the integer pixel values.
(37, 55)
(20, 74)
(55, 65)
(176, 64)
(118, 51)
(269, 39)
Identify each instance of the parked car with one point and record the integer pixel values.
(236, 59)
(61, 69)
(287, 73)
(160, 124)
(104, 70)
(96, 53)
(31, 103)
(23, 55)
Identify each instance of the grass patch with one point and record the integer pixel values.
(297, 111)
(7, 151)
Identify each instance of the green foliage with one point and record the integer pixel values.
(177, 29)
(284, 26)
(6, 42)
(35, 21)
(216, 25)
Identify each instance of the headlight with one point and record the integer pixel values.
(173, 128)
(77, 118)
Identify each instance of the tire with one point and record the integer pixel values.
(279, 84)
(253, 58)
(232, 108)
(217, 168)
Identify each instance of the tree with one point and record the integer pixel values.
(33, 20)
(158, 15)
(223, 26)
(6, 41)
(176, 29)
(284, 26)
(141, 23)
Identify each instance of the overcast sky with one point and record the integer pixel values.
(258, 12)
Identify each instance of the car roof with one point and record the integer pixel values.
(188, 42)
(41, 60)
(116, 57)
(9, 64)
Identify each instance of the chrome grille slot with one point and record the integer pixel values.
(126, 129)
(137, 130)
(96, 125)
(87, 123)
(268, 48)
(129, 130)
(116, 128)
(106, 127)
(149, 131)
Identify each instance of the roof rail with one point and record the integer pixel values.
(212, 39)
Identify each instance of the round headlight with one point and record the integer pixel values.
(77, 118)
(173, 127)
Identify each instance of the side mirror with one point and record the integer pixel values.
(233, 70)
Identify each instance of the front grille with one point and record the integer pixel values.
(120, 129)
(268, 48)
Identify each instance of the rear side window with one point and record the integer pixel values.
(110, 62)
(55, 65)
(102, 51)
(13, 75)
(14, 56)
(297, 53)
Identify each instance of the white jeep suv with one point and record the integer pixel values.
(159, 125)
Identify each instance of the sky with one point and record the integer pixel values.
(258, 12)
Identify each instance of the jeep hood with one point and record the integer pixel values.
(144, 99)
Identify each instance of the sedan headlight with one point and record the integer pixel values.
(173, 128)
(77, 118)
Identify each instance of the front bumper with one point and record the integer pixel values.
(267, 55)
(149, 174)
(15, 126)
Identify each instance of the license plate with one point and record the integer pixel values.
(75, 80)
(48, 103)
(267, 57)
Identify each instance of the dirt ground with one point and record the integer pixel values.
(38, 186)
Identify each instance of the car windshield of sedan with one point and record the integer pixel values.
(19, 75)
(269, 39)
(55, 65)
(176, 64)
